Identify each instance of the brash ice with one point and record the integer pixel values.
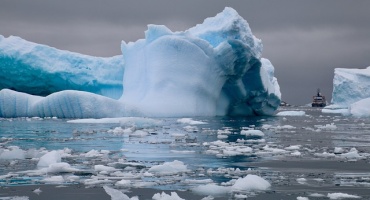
(214, 68)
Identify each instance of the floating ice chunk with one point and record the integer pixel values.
(291, 113)
(219, 143)
(230, 153)
(251, 183)
(274, 150)
(169, 168)
(164, 196)
(96, 181)
(190, 129)
(222, 136)
(12, 153)
(120, 130)
(301, 180)
(325, 155)
(293, 147)
(123, 183)
(240, 196)
(285, 127)
(211, 189)
(316, 195)
(60, 168)
(331, 126)
(15, 198)
(49, 158)
(148, 174)
(93, 153)
(37, 191)
(302, 198)
(117, 195)
(53, 179)
(342, 196)
(190, 121)
(343, 111)
(224, 132)
(296, 153)
(100, 168)
(252, 133)
(139, 133)
(352, 154)
(208, 198)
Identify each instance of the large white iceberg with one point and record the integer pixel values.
(214, 68)
(351, 90)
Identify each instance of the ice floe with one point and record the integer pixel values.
(339, 195)
(291, 113)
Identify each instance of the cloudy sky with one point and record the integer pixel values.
(305, 40)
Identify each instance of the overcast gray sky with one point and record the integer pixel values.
(305, 40)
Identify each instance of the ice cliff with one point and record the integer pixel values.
(214, 68)
(351, 90)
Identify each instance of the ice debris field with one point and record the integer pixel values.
(212, 69)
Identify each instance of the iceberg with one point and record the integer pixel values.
(213, 69)
(350, 86)
(351, 90)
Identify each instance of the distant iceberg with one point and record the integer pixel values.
(351, 90)
(214, 68)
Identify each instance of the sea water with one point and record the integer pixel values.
(296, 153)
